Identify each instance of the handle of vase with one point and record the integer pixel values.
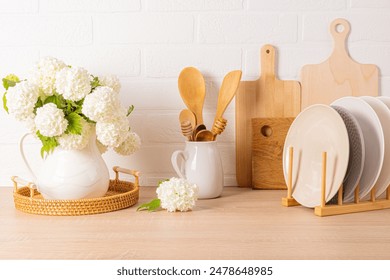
(174, 160)
(21, 150)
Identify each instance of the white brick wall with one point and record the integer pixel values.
(43, 30)
(248, 28)
(370, 26)
(147, 42)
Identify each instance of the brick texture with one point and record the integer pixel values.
(211, 61)
(149, 28)
(63, 30)
(103, 6)
(248, 28)
(193, 5)
(18, 6)
(148, 42)
(297, 5)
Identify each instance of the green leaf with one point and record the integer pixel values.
(150, 206)
(78, 110)
(48, 143)
(56, 99)
(74, 123)
(162, 181)
(129, 110)
(78, 106)
(5, 102)
(80, 102)
(95, 83)
(38, 104)
(51, 99)
(87, 119)
(10, 81)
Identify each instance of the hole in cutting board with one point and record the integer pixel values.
(266, 131)
(339, 28)
(267, 51)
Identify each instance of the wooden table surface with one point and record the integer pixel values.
(242, 224)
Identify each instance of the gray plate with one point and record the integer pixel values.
(356, 154)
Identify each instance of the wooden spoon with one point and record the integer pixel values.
(227, 91)
(204, 135)
(207, 135)
(186, 129)
(198, 128)
(193, 90)
(187, 115)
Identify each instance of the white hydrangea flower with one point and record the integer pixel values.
(44, 74)
(21, 100)
(102, 105)
(177, 194)
(73, 83)
(30, 124)
(111, 81)
(50, 121)
(71, 141)
(112, 134)
(131, 144)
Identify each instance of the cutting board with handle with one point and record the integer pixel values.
(339, 75)
(266, 97)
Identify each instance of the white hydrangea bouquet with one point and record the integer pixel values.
(62, 105)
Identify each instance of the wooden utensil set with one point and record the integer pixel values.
(193, 90)
(266, 107)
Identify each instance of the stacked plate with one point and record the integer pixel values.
(355, 133)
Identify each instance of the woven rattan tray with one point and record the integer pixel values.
(120, 195)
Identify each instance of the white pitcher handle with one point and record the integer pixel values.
(21, 150)
(174, 159)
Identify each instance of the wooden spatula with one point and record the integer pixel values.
(227, 91)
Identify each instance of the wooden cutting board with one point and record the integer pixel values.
(268, 136)
(266, 97)
(339, 75)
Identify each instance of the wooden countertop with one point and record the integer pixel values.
(242, 224)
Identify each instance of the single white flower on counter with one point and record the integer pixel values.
(102, 105)
(113, 133)
(50, 121)
(21, 100)
(69, 141)
(44, 74)
(177, 194)
(111, 81)
(131, 144)
(73, 83)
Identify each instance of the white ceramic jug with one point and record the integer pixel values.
(71, 174)
(201, 165)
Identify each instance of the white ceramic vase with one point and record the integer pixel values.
(200, 163)
(71, 174)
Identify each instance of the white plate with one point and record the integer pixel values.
(384, 116)
(356, 154)
(373, 140)
(319, 128)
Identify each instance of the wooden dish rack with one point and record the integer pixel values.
(340, 208)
